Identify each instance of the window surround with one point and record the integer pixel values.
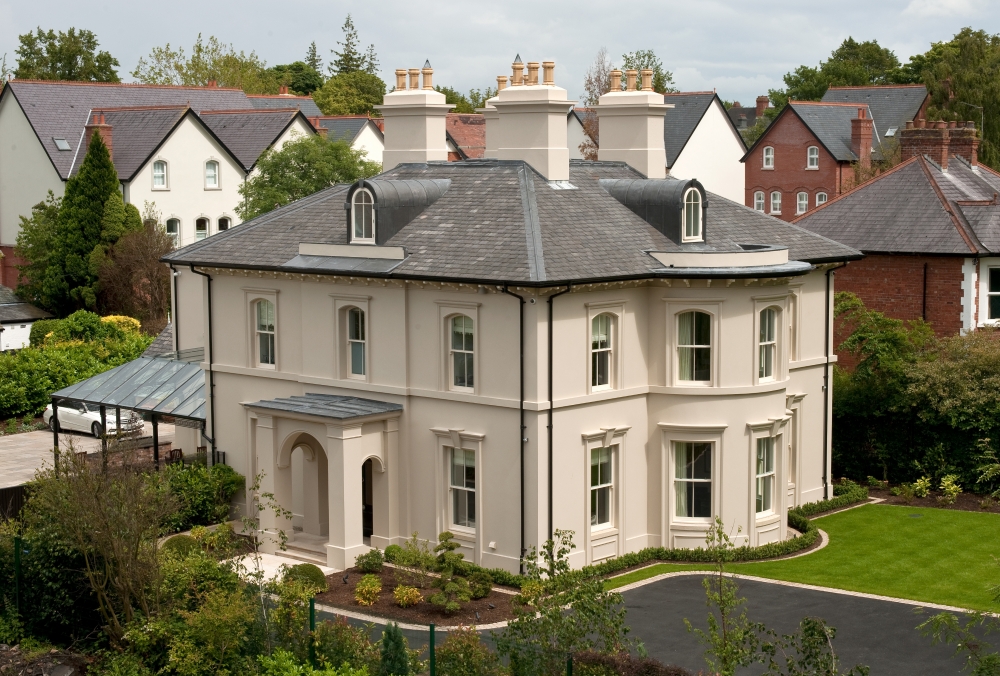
(774, 428)
(775, 201)
(767, 157)
(616, 309)
(342, 304)
(447, 310)
(812, 158)
(793, 445)
(675, 307)
(447, 439)
(794, 321)
(177, 233)
(218, 173)
(605, 541)
(699, 235)
(684, 531)
(759, 201)
(780, 305)
(218, 223)
(355, 239)
(821, 198)
(801, 202)
(250, 298)
(153, 172)
(208, 227)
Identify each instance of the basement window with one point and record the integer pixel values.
(61, 144)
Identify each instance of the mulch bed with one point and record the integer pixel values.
(966, 502)
(341, 595)
(54, 663)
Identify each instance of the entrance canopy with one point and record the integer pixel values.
(161, 387)
(331, 406)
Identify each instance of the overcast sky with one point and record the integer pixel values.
(739, 48)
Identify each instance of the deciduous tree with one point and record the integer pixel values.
(300, 77)
(69, 55)
(212, 61)
(354, 93)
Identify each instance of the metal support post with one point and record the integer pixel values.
(433, 661)
(55, 432)
(569, 665)
(312, 631)
(156, 442)
(118, 422)
(17, 574)
(104, 437)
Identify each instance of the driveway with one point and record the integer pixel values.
(23, 454)
(877, 633)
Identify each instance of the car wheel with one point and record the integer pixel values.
(95, 429)
(53, 424)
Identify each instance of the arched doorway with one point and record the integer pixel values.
(308, 479)
(367, 502)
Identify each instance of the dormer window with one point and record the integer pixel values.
(363, 217)
(692, 216)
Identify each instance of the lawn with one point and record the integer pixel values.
(925, 554)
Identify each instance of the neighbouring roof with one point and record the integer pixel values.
(14, 310)
(917, 208)
(163, 344)
(467, 132)
(501, 221)
(136, 133)
(162, 386)
(248, 133)
(890, 105)
(328, 406)
(60, 110)
(831, 123)
(742, 117)
(344, 127)
(281, 101)
(681, 120)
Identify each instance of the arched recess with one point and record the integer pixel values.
(304, 475)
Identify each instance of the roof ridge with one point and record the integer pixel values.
(136, 85)
(893, 170)
(233, 111)
(826, 103)
(277, 96)
(947, 206)
(881, 86)
(686, 93)
(118, 109)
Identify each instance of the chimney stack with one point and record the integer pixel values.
(927, 138)
(964, 142)
(283, 90)
(414, 120)
(762, 103)
(532, 122)
(492, 118)
(631, 124)
(861, 137)
(98, 125)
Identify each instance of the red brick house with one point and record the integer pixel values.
(929, 229)
(806, 156)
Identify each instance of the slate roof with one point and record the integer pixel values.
(282, 101)
(831, 123)
(136, 133)
(916, 208)
(248, 133)
(890, 105)
(14, 310)
(163, 344)
(467, 133)
(332, 406)
(61, 109)
(683, 119)
(344, 127)
(749, 116)
(501, 221)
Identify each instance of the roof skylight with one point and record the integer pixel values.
(891, 131)
(61, 144)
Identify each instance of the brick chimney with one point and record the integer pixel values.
(212, 83)
(631, 124)
(921, 137)
(963, 141)
(283, 90)
(414, 120)
(861, 137)
(762, 103)
(98, 125)
(320, 130)
(532, 121)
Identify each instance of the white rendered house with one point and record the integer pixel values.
(519, 344)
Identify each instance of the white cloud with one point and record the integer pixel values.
(947, 8)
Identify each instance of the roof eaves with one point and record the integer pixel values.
(767, 130)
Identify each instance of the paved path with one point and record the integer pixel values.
(880, 634)
(22, 454)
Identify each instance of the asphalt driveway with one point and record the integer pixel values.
(879, 634)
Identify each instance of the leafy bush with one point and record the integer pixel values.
(463, 654)
(368, 589)
(370, 562)
(950, 490)
(395, 659)
(180, 546)
(406, 596)
(481, 584)
(40, 329)
(393, 553)
(922, 486)
(204, 493)
(454, 591)
(339, 643)
(309, 574)
(590, 663)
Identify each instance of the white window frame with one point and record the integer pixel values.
(259, 333)
(689, 532)
(759, 201)
(166, 174)
(778, 303)
(793, 443)
(616, 310)
(694, 346)
(767, 344)
(208, 228)
(801, 202)
(447, 310)
(359, 341)
(342, 305)
(607, 540)
(773, 195)
(677, 445)
(250, 298)
(453, 489)
(767, 157)
(676, 307)
(608, 485)
(447, 439)
(354, 206)
(765, 475)
(218, 174)
(821, 198)
(812, 158)
(769, 522)
(793, 322)
(602, 326)
(176, 235)
(218, 223)
(699, 235)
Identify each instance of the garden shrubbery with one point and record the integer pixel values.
(203, 493)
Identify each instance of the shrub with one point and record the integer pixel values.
(339, 643)
(203, 493)
(40, 329)
(393, 553)
(309, 574)
(454, 591)
(180, 546)
(922, 486)
(950, 490)
(463, 654)
(395, 659)
(906, 493)
(368, 589)
(590, 663)
(415, 561)
(876, 483)
(481, 584)
(407, 596)
(370, 562)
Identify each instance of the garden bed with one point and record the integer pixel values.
(341, 595)
(966, 502)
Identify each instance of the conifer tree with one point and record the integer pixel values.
(394, 660)
(312, 58)
(349, 58)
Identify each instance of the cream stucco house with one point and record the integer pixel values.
(507, 346)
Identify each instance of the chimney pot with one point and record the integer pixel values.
(517, 73)
(283, 90)
(861, 113)
(631, 125)
(909, 124)
(952, 125)
(937, 141)
(630, 77)
(647, 80)
(736, 104)
(414, 78)
(616, 80)
(762, 103)
(501, 82)
(532, 72)
(428, 74)
(940, 124)
(548, 73)
(400, 79)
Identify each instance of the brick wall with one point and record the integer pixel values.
(791, 139)
(9, 273)
(894, 285)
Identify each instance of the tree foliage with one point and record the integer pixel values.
(642, 59)
(212, 61)
(132, 280)
(354, 93)
(349, 59)
(301, 78)
(70, 55)
(466, 103)
(300, 168)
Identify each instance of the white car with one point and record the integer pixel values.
(87, 418)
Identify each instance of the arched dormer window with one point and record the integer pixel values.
(363, 217)
(692, 216)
